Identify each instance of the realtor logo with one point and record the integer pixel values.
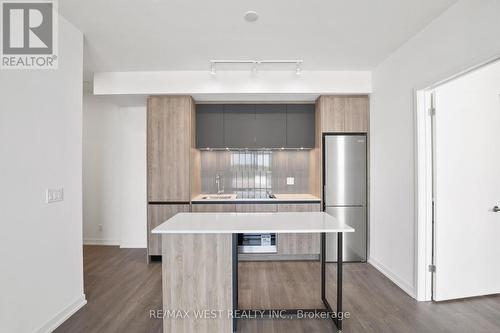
(29, 34)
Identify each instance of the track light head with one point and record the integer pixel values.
(298, 70)
(255, 69)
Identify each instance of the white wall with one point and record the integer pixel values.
(114, 173)
(41, 279)
(463, 36)
(200, 83)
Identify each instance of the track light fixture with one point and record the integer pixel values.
(255, 64)
(255, 69)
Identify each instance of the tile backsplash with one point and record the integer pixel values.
(250, 173)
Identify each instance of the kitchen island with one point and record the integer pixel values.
(200, 266)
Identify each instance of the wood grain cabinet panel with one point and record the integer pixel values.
(356, 114)
(170, 120)
(214, 208)
(157, 214)
(256, 208)
(197, 276)
(332, 113)
(299, 243)
(339, 114)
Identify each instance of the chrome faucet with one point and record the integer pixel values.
(218, 183)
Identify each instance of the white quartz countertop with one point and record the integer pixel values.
(301, 197)
(285, 222)
(296, 197)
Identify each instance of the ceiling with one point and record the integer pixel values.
(143, 35)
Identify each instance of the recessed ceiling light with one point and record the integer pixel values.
(251, 16)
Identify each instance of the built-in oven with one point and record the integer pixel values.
(257, 243)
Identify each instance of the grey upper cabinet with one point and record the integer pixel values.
(270, 125)
(300, 125)
(210, 126)
(239, 126)
(255, 125)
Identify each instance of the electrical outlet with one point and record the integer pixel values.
(99, 227)
(54, 195)
(290, 180)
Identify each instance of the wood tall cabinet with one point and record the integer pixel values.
(172, 161)
(305, 244)
(169, 141)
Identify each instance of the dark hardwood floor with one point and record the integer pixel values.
(121, 289)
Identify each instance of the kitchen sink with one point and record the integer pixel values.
(233, 196)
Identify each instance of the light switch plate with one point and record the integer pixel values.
(54, 195)
(290, 180)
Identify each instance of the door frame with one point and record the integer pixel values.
(424, 166)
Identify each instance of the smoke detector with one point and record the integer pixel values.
(251, 16)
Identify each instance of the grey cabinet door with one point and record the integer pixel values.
(210, 126)
(270, 125)
(239, 126)
(300, 125)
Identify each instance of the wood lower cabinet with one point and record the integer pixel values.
(213, 208)
(256, 208)
(157, 214)
(299, 244)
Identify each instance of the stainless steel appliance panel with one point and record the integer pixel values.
(257, 243)
(354, 242)
(345, 166)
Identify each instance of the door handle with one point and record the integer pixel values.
(496, 209)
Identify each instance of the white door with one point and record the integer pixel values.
(467, 185)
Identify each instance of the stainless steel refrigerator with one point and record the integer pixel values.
(345, 179)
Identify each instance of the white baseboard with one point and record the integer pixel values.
(133, 246)
(95, 241)
(407, 288)
(62, 316)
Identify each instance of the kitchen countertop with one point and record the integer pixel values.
(280, 198)
(230, 223)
